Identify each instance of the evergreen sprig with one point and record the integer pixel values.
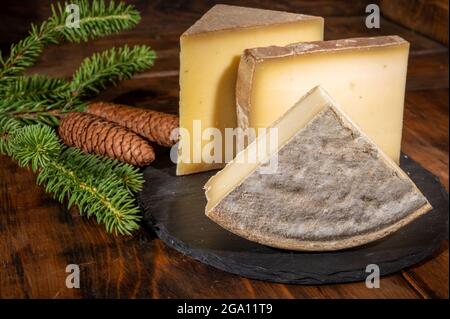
(102, 167)
(102, 188)
(24, 53)
(8, 126)
(41, 99)
(34, 146)
(31, 105)
(109, 67)
(96, 19)
(35, 99)
(36, 88)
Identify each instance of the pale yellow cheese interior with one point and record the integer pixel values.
(369, 84)
(208, 71)
(287, 126)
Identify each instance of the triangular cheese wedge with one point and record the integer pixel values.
(210, 52)
(333, 188)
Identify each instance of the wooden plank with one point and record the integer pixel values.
(427, 72)
(425, 137)
(430, 278)
(173, 269)
(350, 27)
(424, 16)
(39, 238)
(425, 130)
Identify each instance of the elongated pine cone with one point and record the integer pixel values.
(158, 127)
(93, 134)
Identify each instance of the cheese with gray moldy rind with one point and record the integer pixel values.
(333, 188)
(366, 76)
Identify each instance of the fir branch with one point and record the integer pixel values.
(50, 118)
(96, 19)
(35, 88)
(23, 54)
(46, 112)
(97, 186)
(34, 145)
(38, 99)
(106, 199)
(109, 67)
(104, 192)
(8, 126)
(101, 168)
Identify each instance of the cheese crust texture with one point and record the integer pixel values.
(366, 77)
(209, 59)
(334, 189)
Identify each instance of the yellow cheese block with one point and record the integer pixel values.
(366, 76)
(209, 59)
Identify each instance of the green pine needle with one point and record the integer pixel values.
(40, 99)
(35, 99)
(109, 67)
(23, 54)
(106, 199)
(8, 126)
(31, 105)
(102, 167)
(35, 88)
(96, 19)
(98, 187)
(34, 146)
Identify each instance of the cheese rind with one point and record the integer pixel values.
(209, 59)
(334, 188)
(366, 76)
(223, 17)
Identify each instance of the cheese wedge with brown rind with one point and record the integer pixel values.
(366, 76)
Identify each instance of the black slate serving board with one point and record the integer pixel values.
(174, 209)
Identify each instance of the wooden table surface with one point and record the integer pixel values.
(39, 237)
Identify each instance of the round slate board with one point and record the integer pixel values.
(174, 208)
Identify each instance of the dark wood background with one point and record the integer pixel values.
(39, 237)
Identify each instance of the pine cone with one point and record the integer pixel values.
(93, 134)
(158, 127)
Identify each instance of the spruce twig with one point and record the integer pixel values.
(103, 188)
(8, 125)
(109, 67)
(36, 88)
(23, 54)
(41, 99)
(96, 19)
(102, 168)
(98, 186)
